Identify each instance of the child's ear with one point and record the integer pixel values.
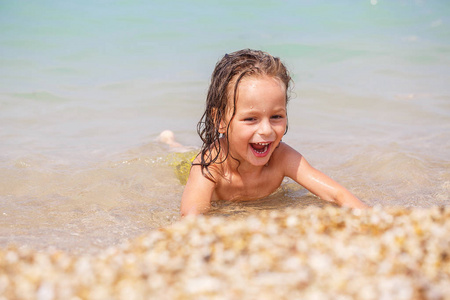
(222, 123)
(222, 126)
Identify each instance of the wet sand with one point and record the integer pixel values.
(311, 253)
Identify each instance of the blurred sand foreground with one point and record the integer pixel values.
(312, 253)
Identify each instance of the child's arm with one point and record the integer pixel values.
(297, 168)
(197, 194)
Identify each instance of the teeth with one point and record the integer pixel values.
(263, 150)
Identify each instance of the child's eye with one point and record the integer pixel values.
(249, 119)
(277, 117)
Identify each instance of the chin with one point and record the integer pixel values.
(259, 161)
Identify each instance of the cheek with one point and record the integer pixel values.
(281, 131)
(240, 134)
(281, 127)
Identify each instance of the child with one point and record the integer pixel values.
(243, 157)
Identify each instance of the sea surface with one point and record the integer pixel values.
(87, 86)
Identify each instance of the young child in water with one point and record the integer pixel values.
(243, 157)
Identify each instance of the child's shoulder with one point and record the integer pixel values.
(210, 162)
(284, 157)
(211, 155)
(284, 151)
(286, 160)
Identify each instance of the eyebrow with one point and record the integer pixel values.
(250, 111)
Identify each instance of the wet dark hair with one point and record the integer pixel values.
(231, 69)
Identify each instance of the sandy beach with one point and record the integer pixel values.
(311, 253)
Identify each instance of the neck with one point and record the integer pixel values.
(240, 167)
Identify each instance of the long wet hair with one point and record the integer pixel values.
(225, 79)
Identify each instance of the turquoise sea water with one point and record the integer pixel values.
(87, 86)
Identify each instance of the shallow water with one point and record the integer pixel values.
(86, 88)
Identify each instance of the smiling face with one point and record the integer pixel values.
(260, 119)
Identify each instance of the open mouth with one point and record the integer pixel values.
(260, 149)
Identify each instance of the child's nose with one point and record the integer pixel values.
(265, 129)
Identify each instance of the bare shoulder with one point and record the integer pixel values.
(213, 170)
(197, 192)
(200, 186)
(287, 159)
(285, 148)
(285, 153)
(210, 173)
